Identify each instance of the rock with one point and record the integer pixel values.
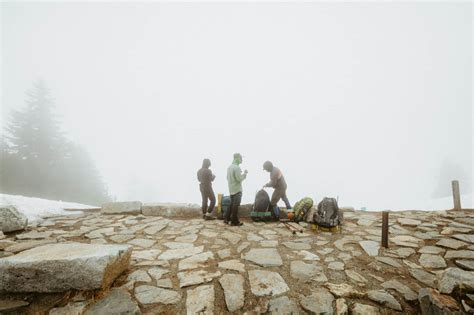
(164, 283)
(336, 265)
(72, 308)
(188, 238)
(6, 243)
(363, 309)
(406, 241)
(389, 261)
(63, 266)
(200, 300)
(434, 250)
(180, 253)
(341, 307)
(467, 254)
(424, 277)
(121, 238)
(402, 252)
(242, 246)
(283, 306)
(11, 219)
(118, 301)
(297, 245)
(302, 271)
(265, 257)
(370, 247)
(384, 298)
(124, 207)
(408, 294)
(433, 303)
(308, 255)
(152, 230)
(149, 254)
(354, 276)
(319, 302)
(233, 264)
(325, 251)
(139, 276)
(172, 210)
(465, 237)
(465, 264)
(408, 222)
(176, 245)
(264, 282)
(156, 272)
(267, 243)
(233, 286)
(147, 294)
(432, 261)
(224, 253)
(2, 236)
(196, 261)
(12, 305)
(454, 277)
(343, 290)
(19, 247)
(450, 243)
(33, 235)
(142, 242)
(187, 278)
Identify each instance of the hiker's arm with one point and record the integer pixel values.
(239, 176)
(273, 180)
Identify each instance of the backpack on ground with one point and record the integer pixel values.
(328, 214)
(302, 208)
(260, 208)
(225, 207)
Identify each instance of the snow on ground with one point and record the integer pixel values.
(37, 208)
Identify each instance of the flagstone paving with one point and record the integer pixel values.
(188, 266)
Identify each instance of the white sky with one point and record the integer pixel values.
(362, 100)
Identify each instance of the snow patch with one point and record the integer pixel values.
(37, 209)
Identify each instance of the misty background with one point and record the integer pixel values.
(369, 102)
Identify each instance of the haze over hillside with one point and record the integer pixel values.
(369, 102)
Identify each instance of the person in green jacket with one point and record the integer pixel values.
(235, 177)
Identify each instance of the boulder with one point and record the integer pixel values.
(118, 301)
(319, 302)
(11, 219)
(453, 277)
(171, 210)
(123, 207)
(64, 266)
(434, 303)
(233, 286)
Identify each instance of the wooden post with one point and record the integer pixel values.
(219, 203)
(456, 195)
(385, 229)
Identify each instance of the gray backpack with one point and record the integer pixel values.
(328, 214)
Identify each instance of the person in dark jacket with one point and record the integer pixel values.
(205, 178)
(277, 181)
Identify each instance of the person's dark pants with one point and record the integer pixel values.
(279, 193)
(207, 193)
(232, 214)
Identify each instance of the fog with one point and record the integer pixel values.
(369, 102)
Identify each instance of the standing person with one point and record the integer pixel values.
(205, 178)
(234, 179)
(277, 181)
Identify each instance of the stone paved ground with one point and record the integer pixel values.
(193, 266)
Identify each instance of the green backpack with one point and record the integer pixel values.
(301, 208)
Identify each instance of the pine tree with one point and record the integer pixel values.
(38, 160)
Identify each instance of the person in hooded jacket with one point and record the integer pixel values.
(205, 178)
(277, 181)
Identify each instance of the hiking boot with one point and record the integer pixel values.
(236, 224)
